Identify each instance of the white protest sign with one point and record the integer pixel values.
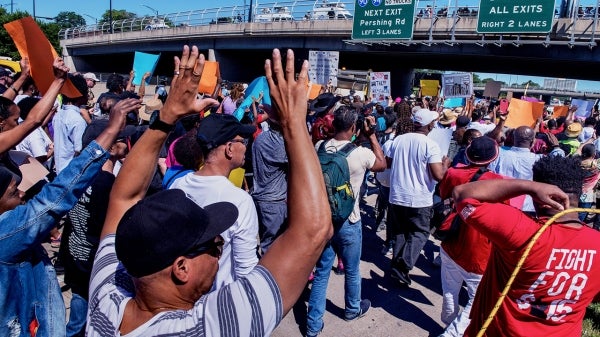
(380, 86)
(323, 67)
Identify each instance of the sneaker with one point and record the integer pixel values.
(388, 248)
(381, 226)
(365, 305)
(401, 276)
(437, 261)
(55, 242)
(314, 334)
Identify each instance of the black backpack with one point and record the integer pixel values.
(337, 182)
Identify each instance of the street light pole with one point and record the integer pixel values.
(89, 16)
(150, 8)
(110, 17)
(33, 10)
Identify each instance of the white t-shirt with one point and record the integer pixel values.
(411, 181)
(384, 177)
(35, 144)
(251, 306)
(241, 240)
(359, 161)
(481, 127)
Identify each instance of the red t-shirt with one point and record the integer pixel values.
(557, 282)
(469, 249)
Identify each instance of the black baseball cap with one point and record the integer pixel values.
(217, 129)
(324, 102)
(166, 225)
(97, 126)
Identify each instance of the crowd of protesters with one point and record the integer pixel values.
(157, 237)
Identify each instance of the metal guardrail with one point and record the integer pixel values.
(299, 10)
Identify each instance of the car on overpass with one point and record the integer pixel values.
(156, 24)
(277, 14)
(330, 11)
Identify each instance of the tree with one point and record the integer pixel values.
(117, 14)
(476, 78)
(69, 20)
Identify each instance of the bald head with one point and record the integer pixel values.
(523, 136)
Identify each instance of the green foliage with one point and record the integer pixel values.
(8, 48)
(69, 20)
(117, 14)
(476, 78)
(591, 324)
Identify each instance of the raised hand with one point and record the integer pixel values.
(550, 196)
(119, 111)
(25, 67)
(59, 68)
(182, 98)
(288, 95)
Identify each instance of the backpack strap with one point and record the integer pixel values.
(478, 174)
(346, 149)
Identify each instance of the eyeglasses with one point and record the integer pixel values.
(212, 248)
(243, 141)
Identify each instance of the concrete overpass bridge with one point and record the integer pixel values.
(445, 41)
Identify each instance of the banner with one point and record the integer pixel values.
(430, 88)
(457, 85)
(323, 67)
(32, 43)
(144, 63)
(380, 86)
(492, 89)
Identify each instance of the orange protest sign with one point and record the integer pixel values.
(314, 90)
(560, 111)
(32, 43)
(208, 80)
(430, 87)
(523, 113)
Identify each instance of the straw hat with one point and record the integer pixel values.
(573, 130)
(448, 117)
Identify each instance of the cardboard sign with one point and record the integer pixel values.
(584, 107)
(454, 102)
(523, 113)
(33, 171)
(492, 89)
(314, 90)
(209, 77)
(560, 110)
(503, 106)
(31, 42)
(144, 63)
(254, 89)
(430, 87)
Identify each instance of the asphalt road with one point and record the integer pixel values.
(396, 311)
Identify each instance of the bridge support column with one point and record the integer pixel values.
(401, 81)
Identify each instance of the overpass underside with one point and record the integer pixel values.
(569, 50)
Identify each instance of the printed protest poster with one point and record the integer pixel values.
(143, 63)
(32, 43)
(430, 87)
(323, 67)
(492, 89)
(380, 86)
(457, 85)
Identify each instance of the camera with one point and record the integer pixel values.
(360, 123)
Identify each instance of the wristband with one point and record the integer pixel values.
(14, 89)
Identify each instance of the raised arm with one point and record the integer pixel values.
(130, 86)
(37, 115)
(16, 86)
(137, 171)
(498, 190)
(142, 89)
(293, 255)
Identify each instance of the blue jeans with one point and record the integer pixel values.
(77, 316)
(348, 244)
(583, 215)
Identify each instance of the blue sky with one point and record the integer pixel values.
(95, 8)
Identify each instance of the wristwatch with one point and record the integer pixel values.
(157, 124)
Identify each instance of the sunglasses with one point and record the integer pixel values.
(212, 248)
(243, 141)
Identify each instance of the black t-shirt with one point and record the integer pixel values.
(81, 234)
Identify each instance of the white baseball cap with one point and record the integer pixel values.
(91, 76)
(425, 116)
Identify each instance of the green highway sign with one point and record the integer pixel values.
(383, 19)
(515, 16)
